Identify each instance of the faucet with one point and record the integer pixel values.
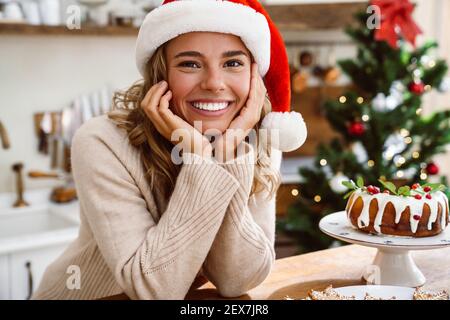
(4, 137)
(20, 202)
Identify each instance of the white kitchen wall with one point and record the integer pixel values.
(42, 73)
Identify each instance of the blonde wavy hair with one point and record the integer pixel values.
(156, 150)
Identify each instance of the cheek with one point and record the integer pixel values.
(242, 91)
(181, 86)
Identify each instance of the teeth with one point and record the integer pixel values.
(210, 106)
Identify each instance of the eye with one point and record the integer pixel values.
(237, 63)
(187, 64)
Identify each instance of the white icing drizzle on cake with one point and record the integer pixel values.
(400, 204)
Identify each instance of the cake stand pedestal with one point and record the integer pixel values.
(393, 263)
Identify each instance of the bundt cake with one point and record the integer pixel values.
(416, 211)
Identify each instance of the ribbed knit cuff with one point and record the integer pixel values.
(242, 168)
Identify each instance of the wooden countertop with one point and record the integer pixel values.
(343, 266)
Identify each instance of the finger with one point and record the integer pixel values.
(151, 110)
(148, 95)
(159, 92)
(164, 109)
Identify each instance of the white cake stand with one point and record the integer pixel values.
(393, 264)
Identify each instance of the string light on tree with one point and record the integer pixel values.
(400, 173)
(294, 192)
(365, 118)
(427, 61)
(389, 155)
(342, 99)
(317, 198)
(404, 132)
(323, 162)
(415, 154)
(399, 161)
(370, 163)
(360, 100)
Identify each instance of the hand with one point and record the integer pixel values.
(156, 106)
(225, 146)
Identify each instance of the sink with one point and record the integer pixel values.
(31, 221)
(42, 223)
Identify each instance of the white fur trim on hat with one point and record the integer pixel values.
(175, 18)
(286, 130)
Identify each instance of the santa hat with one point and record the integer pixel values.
(248, 20)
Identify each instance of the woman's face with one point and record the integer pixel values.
(209, 76)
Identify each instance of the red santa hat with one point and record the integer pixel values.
(248, 20)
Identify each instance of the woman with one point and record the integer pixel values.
(152, 227)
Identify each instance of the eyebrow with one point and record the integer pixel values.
(226, 54)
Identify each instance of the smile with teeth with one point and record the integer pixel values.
(210, 106)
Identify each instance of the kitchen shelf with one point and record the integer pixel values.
(26, 29)
(304, 17)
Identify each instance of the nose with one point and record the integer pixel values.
(213, 80)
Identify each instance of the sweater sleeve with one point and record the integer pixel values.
(149, 259)
(243, 253)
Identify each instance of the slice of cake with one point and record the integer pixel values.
(328, 294)
(420, 294)
(416, 211)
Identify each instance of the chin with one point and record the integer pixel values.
(213, 128)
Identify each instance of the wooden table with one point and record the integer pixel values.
(343, 266)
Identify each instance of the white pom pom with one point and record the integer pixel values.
(286, 130)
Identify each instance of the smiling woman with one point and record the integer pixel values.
(150, 227)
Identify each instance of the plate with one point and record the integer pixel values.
(384, 292)
(337, 225)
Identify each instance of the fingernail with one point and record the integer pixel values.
(163, 82)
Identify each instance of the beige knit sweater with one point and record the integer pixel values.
(132, 241)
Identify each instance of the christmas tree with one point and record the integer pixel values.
(383, 131)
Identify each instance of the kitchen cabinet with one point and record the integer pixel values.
(22, 271)
(4, 278)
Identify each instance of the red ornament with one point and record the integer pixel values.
(416, 87)
(418, 197)
(427, 189)
(432, 168)
(416, 217)
(428, 196)
(396, 14)
(356, 129)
